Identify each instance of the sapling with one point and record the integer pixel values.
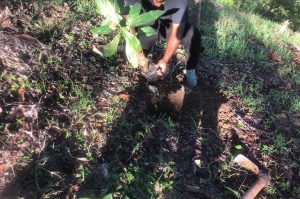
(119, 19)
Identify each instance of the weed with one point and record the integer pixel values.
(27, 158)
(254, 104)
(84, 100)
(110, 116)
(281, 143)
(166, 180)
(54, 59)
(240, 124)
(118, 102)
(269, 150)
(20, 121)
(89, 153)
(146, 127)
(296, 78)
(271, 190)
(68, 135)
(168, 123)
(296, 104)
(80, 139)
(285, 185)
(70, 38)
(82, 173)
(86, 7)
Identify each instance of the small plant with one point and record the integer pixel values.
(268, 149)
(116, 22)
(169, 123)
(82, 173)
(271, 190)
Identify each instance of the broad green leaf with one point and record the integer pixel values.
(238, 147)
(119, 4)
(108, 196)
(146, 31)
(146, 18)
(131, 40)
(134, 12)
(102, 30)
(121, 8)
(106, 22)
(107, 9)
(106, 27)
(111, 48)
(131, 56)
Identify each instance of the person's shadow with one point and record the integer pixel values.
(175, 128)
(171, 140)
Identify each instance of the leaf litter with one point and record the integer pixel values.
(48, 145)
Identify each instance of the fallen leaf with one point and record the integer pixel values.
(2, 63)
(102, 103)
(26, 37)
(21, 93)
(2, 168)
(96, 50)
(274, 56)
(124, 97)
(296, 56)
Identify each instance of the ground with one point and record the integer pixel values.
(76, 125)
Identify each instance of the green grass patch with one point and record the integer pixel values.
(229, 33)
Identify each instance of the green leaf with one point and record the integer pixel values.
(107, 9)
(131, 56)
(111, 48)
(105, 28)
(131, 40)
(134, 12)
(119, 5)
(146, 18)
(238, 147)
(108, 196)
(146, 32)
(102, 30)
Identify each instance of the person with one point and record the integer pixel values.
(174, 28)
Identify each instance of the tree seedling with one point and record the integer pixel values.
(119, 19)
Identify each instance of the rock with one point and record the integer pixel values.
(197, 163)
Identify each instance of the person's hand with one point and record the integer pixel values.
(163, 68)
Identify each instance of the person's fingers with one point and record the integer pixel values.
(160, 72)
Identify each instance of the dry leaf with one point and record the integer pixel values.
(26, 37)
(124, 97)
(274, 56)
(297, 57)
(96, 50)
(2, 168)
(102, 103)
(2, 63)
(21, 93)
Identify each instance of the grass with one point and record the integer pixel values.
(237, 35)
(132, 144)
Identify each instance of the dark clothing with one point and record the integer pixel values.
(176, 11)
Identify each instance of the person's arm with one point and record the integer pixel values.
(172, 44)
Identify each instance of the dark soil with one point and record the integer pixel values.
(195, 133)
